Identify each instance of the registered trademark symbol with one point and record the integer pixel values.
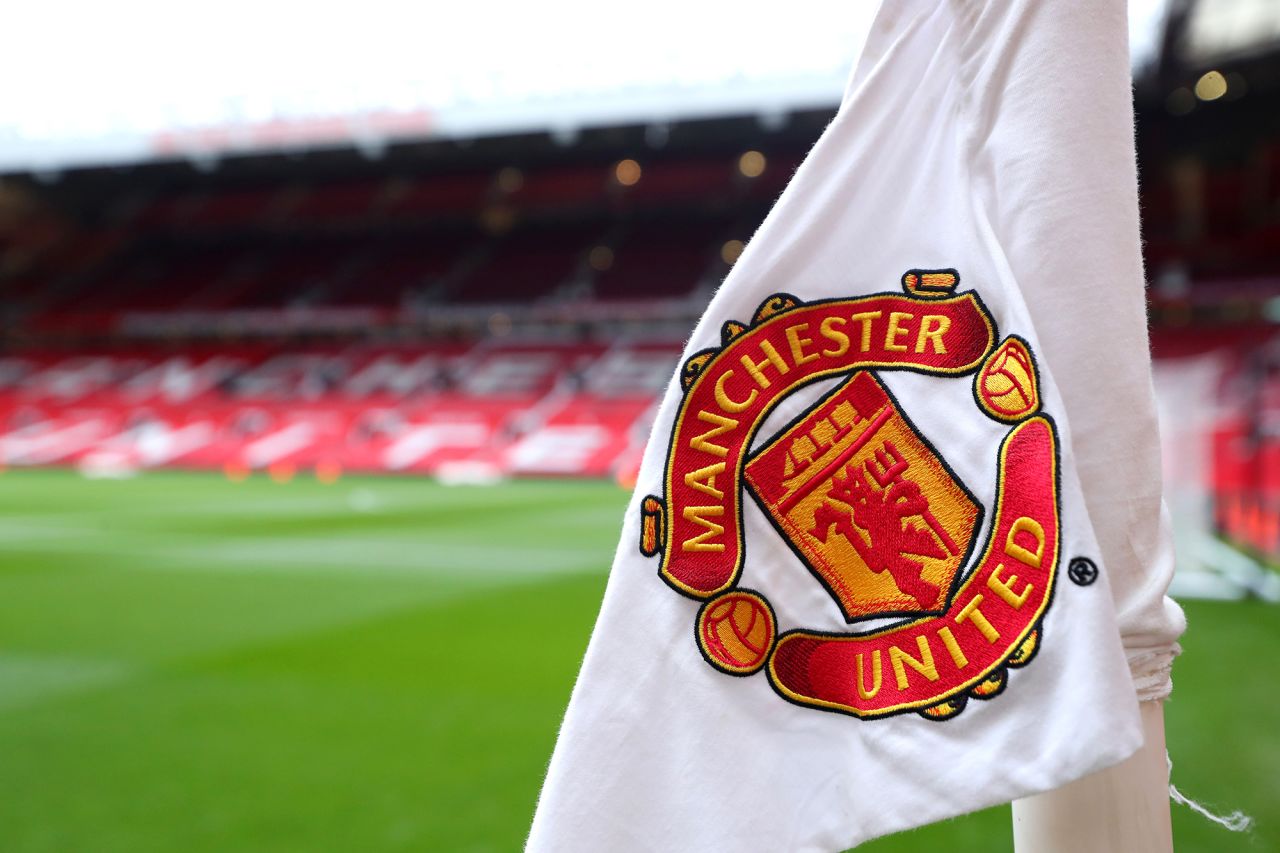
(1082, 571)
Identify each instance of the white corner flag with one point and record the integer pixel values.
(897, 550)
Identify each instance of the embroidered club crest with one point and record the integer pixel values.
(866, 503)
(873, 511)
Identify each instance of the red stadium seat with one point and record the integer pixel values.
(236, 208)
(562, 188)
(339, 202)
(528, 265)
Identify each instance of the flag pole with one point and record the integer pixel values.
(1123, 809)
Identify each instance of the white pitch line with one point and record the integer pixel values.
(400, 555)
(359, 556)
(26, 679)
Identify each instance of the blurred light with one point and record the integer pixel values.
(657, 135)
(731, 251)
(1271, 309)
(627, 478)
(327, 473)
(1211, 86)
(497, 219)
(281, 472)
(363, 500)
(601, 258)
(564, 136)
(510, 179)
(773, 120)
(499, 325)
(1173, 281)
(236, 472)
(1180, 102)
(627, 172)
(751, 164)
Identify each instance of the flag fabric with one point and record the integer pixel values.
(897, 550)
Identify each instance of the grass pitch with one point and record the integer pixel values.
(192, 664)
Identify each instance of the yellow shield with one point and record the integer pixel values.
(868, 505)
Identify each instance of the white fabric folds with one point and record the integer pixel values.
(897, 550)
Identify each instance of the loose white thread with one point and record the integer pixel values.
(1237, 821)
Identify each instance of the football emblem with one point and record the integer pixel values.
(1006, 386)
(736, 631)
(866, 503)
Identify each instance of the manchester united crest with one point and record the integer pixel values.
(870, 508)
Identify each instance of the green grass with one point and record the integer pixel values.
(198, 665)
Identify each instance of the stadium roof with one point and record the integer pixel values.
(141, 80)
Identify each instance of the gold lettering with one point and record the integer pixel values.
(756, 369)
(722, 425)
(728, 403)
(1004, 589)
(704, 480)
(866, 317)
(875, 675)
(953, 648)
(895, 331)
(713, 530)
(971, 613)
(1022, 555)
(934, 333)
(924, 666)
(798, 344)
(840, 338)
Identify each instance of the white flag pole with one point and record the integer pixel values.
(1124, 809)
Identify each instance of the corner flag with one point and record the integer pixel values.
(896, 551)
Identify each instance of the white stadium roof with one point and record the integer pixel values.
(135, 80)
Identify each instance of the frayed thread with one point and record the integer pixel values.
(1237, 821)
(1151, 672)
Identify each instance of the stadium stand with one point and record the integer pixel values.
(565, 409)
(512, 307)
